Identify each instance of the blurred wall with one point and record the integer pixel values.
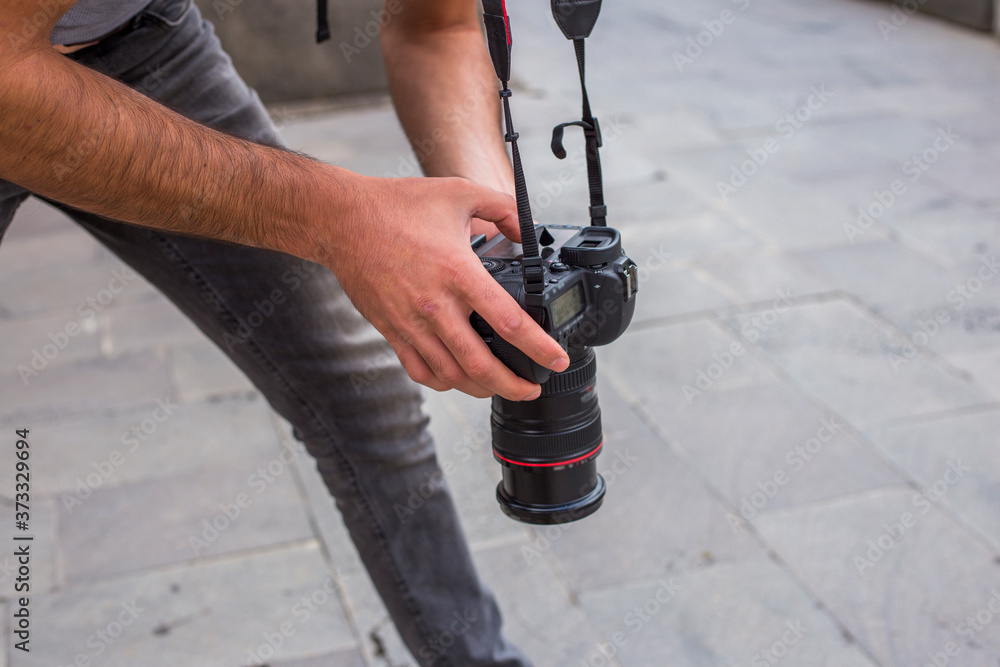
(273, 44)
(978, 14)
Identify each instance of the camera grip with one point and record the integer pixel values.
(517, 361)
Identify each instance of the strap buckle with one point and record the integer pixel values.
(534, 276)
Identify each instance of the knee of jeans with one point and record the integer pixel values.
(392, 438)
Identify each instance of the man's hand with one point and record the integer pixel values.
(408, 267)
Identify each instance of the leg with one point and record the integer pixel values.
(292, 330)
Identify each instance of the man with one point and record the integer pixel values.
(172, 160)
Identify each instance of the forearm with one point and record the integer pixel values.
(83, 139)
(445, 93)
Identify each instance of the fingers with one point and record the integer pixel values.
(496, 207)
(511, 322)
(479, 364)
(417, 368)
(435, 366)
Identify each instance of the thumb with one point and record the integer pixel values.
(500, 209)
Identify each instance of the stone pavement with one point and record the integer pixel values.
(801, 422)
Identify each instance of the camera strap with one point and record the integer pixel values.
(498, 37)
(576, 19)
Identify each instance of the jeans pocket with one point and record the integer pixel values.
(168, 13)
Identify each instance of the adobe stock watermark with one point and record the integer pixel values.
(131, 440)
(87, 312)
(431, 650)
(364, 35)
(893, 532)
(634, 621)
(101, 640)
(796, 459)
(914, 167)
(229, 513)
(752, 329)
(301, 611)
(408, 164)
(21, 34)
(704, 39)
(901, 13)
(264, 309)
(794, 632)
(786, 126)
(973, 625)
(552, 190)
(930, 327)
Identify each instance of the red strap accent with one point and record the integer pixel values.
(506, 19)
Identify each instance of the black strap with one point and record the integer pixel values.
(592, 134)
(498, 37)
(322, 25)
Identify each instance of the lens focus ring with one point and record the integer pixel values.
(560, 383)
(548, 448)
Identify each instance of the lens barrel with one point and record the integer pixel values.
(548, 447)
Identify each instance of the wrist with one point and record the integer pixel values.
(327, 199)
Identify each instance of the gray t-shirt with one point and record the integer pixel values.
(89, 19)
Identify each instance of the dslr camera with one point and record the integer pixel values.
(548, 447)
(580, 286)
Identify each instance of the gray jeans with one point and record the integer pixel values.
(370, 440)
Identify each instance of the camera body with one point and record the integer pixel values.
(547, 448)
(588, 296)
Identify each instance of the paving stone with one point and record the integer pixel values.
(379, 639)
(889, 278)
(657, 519)
(350, 658)
(74, 269)
(951, 233)
(541, 615)
(201, 370)
(964, 170)
(937, 307)
(766, 447)
(652, 366)
(684, 291)
(657, 245)
(837, 353)
(153, 323)
(78, 455)
(23, 337)
(914, 592)
(982, 363)
(203, 615)
(765, 276)
(377, 635)
(744, 613)
(957, 461)
(86, 385)
(162, 521)
(36, 218)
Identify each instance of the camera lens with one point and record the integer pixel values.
(548, 447)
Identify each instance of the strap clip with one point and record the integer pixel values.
(590, 130)
(534, 276)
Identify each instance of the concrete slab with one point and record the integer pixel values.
(888, 569)
(213, 613)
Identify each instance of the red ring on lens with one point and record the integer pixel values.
(550, 465)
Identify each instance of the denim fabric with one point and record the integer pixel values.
(305, 354)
